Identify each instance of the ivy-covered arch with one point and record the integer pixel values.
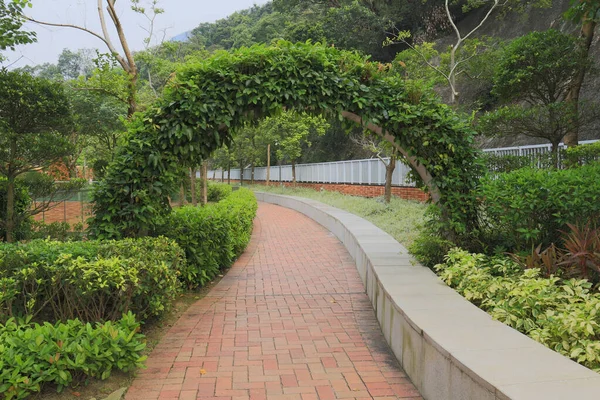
(207, 100)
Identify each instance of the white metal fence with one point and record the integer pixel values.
(530, 150)
(359, 172)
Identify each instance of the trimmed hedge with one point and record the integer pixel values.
(211, 236)
(91, 280)
(32, 355)
(524, 208)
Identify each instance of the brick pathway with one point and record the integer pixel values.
(290, 321)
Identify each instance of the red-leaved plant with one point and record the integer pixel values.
(582, 247)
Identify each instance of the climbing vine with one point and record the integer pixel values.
(208, 100)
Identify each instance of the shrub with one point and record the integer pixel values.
(564, 315)
(217, 191)
(22, 205)
(583, 154)
(524, 208)
(211, 236)
(32, 355)
(92, 281)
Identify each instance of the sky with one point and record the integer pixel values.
(180, 16)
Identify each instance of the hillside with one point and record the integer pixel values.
(364, 25)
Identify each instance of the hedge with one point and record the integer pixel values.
(211, 236)
(527, 207)
(89, 280)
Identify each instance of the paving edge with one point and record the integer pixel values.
(448, 347)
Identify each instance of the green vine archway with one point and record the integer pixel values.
(208, 100)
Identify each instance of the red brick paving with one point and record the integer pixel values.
(290, 321)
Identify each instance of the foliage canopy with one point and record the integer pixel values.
(209, 99)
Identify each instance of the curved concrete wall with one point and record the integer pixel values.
(450, 348)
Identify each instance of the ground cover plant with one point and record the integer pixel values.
(563, 314)
(32, 355)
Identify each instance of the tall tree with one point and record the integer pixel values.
(289, 132)
(123, 54)
(586, 13)
(35, 121)
(538, 70)
(385, 153)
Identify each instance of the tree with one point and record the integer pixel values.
(223, 158)
(35, 122)
(586, 13)
(456, 59)
(11, 23)
(381, 149)
(289, 132)
(124, 57)
(538, 69)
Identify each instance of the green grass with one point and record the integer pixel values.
(401, 218)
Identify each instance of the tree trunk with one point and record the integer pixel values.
(252, 174)
(10, 210)
(204, 183)
(268, 163)
(181, 195)
(193, 186)
(229, 173)
(131, 95)
(241, 174)
(294, 173)
(222, 175)
(452, 76)
(389, 173)
(587, 35)
(10, 194)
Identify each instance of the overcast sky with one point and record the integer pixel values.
(180, 16)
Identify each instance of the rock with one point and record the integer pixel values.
(117, 395)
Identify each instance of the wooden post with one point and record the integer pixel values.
(193, 186)
(268, 163)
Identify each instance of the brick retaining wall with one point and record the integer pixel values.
(407, 193)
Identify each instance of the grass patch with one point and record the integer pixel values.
(402, 219)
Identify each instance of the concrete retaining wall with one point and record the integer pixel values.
(450, 348)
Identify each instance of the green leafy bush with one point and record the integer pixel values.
(527, 207)
(32, 355)
(562, 314)
(91, 280)
(583, 154)
(22, 205)
(217, 191)
(211, 236)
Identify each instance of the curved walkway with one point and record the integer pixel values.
(289, 321)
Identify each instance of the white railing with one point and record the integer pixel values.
(359, 172)
(529, 150)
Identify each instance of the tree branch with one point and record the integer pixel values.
(418, 167)
(69, 26)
